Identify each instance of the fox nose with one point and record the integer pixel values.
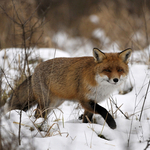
(115, 80)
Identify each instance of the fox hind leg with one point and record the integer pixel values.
(43, 103)
(42, 108)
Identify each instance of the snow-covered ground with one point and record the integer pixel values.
(65, 131)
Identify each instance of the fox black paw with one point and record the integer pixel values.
(111, 123)
(80, 117)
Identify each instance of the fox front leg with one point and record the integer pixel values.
(87, 116)
(93, 107)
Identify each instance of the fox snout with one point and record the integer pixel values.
(116, 80)
(106, 80)
(113, 80)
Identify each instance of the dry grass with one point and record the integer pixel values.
(19, 23)
(29, 24)
(123, 22)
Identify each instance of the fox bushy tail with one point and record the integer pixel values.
(22, 97)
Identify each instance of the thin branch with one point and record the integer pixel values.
(119, 109)
(0, 106)
(7, 80)
(16, 12)
(144, 100)
(19, 132)
(148, 144)
(9, 16)
(32, 14)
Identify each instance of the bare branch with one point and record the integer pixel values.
(16, 12)
(144, 100)
(9, 16)
(32, 14)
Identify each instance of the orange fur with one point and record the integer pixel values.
(82, 79)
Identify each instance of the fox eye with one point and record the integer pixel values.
(120, 70)
(107, 70)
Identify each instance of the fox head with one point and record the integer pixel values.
(111, 68)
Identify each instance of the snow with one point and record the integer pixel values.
(67, 132)
(94, 19)
(100, 34)
(12, 63)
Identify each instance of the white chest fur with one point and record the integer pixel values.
(103, 90)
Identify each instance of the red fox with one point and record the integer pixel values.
(87, 80)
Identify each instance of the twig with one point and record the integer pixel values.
(144, 100)
(16, 12)
(0, 86)
(145, 24)
(148, 144)
(9, 16)
(0, 106)
(19, 133)
(7, 80)
(119, 109)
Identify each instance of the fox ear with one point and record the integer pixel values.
(98, 55)
(125, 54)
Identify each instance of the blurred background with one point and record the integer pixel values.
(96, 23)
(32, 31)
